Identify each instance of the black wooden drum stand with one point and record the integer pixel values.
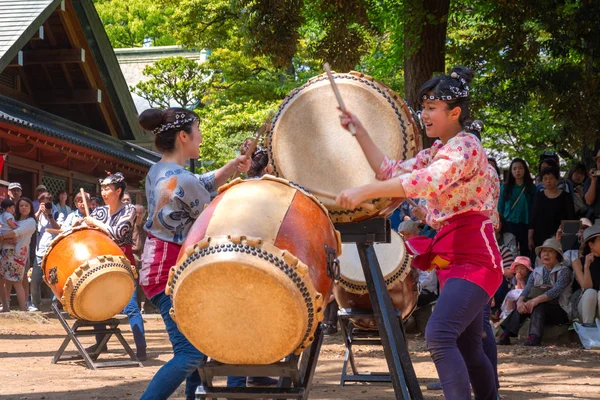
(356, 336)
(112, 328)
(295, 376)
(402, 373)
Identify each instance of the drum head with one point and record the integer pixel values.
(392, 259)
(308, 146)
(243, 307)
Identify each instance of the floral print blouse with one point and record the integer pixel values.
(453, 178)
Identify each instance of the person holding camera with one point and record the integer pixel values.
(592, 190)
(47, 216)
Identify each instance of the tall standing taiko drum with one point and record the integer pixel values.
(308, 146)
(255, 272)
(89, 273)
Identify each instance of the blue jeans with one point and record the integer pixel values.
(184, 364)
(135, 321)
(454, 339)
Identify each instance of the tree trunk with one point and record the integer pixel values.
(424, 42)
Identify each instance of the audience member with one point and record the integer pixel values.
(576, 178)
(587, 273)
(520, 269)
(592, 191)
(545, 298)
(62, 206)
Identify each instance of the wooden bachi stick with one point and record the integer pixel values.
(340, 101)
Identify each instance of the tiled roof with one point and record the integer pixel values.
(21, 114)
(19, 20)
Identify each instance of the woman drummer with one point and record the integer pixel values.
(176, 197)
(461, 192)
(118, 219)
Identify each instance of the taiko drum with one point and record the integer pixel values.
(254, 274)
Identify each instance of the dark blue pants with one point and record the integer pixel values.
(182, 367)
(454, 339)
(489, 342)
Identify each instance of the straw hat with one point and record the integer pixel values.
(551, 244)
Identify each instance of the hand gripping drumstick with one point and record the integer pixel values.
(351, 126)
(85, 205)
(331, 196)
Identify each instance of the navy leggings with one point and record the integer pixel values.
(454, 339)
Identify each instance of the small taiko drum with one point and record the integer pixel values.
(89, 273)
(401, 280)
(308, 146)
(254, 272)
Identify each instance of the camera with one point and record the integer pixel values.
(595, 172)
(48, 206)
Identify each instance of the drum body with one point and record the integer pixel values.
(249, 284)
(89, 273)
(307, 127)
(401, 280)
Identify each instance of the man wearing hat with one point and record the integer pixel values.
(15, 191)
(545, 298)
(587, 273)
(591, 189)
(38, 191)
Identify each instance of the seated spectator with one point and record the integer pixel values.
(520, 269)
(587, 273)
(545, 298)
(576, 178)
(507, 244)
(574, 252)
(550, 207)
(591, 191)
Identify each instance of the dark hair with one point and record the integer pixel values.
(440, 86)
(551, 171)
(7, 203)
(551, 163)
(510, 181)
(118, 184)
(503, 224)
(259, 162)
(153, 118)
(31, 209)
(61, 192)
(579, 166)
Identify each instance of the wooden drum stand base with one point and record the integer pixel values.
(111, 327)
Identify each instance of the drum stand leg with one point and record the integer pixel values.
(74, 332)
(355, 336)
(295, 376)
(402, 373)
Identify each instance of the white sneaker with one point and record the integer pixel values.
(32, 308)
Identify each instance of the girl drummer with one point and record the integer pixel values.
(176, 197)
(461, 192)
(118, 219)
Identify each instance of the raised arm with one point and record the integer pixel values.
(372, 152)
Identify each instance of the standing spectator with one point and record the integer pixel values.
(587, 272)
(94, 203)
(15, 191)
(563, 184)
(79, 212)
(62, 206)
(592, 191)
(516, 198)
(126, 198)
(545, 297)
(13, 262)
(47, 217)
(576, 178)
(7, 224)
(550, 207)
(38, 191)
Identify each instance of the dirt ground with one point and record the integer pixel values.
(27, 345)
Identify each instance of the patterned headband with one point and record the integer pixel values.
(180, 121)
(456, 92)
(111, 179)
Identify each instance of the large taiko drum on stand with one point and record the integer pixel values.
(401, 280)
(89, 273)
(308, 146)
(255, 272)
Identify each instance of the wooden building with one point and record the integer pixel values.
(66, 114)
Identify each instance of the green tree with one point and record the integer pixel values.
(174, 79)
(130, 23)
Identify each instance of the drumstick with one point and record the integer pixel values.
(87, 209)
(258, 134)
(351, 126)
(331, 196)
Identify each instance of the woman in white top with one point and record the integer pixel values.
(12, 268)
